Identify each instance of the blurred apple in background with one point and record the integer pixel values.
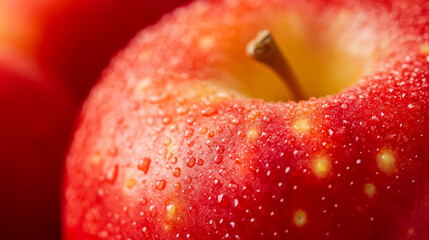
(75, 39)
(36, 119)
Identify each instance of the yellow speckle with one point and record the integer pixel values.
(252, 134)
(167, 227)
(96, 159)
(321, 166)
(424, 49)
(253, 115)
(145, 55)
(300, 218)
(386, 161)
(206, 42)
(410, 232)
(143, 85)
(167, 141)
(369, 190)
(171, 209)
(131, 182)
(302, 125)
(172, 146)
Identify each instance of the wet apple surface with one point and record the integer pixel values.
(181, 138)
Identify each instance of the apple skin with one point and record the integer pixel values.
(37, 116)
(164, 150)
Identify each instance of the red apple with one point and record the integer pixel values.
(36, 122)
(77, 38)
(187, 137)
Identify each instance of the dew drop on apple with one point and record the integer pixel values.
(173, 160)
(144, 164)
(202, 130)
(218, 159)
(112, 174)
(176, 172)
(217, 182)
(200, 162)
(188, 179)
(190, 143)
(189, 133)
(166, 120)
(211, 133)
(160, 184)
(182, 110)
(152, 211)
(232, 187)
(146, 231)
(235, 202)
(143, 201)
(190, 162)
(220, 149)
(208, 111)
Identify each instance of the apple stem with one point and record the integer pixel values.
(265, 50)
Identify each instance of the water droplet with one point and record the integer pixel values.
(222, 200)
(177, 186)
(176, 172)
(218, 159)
(233, 187)
(190, 143)
(182, 110)
(166, 120)
(190, 162)
(173, 160)
(200, 162)
(167, 141)
(152, 210)
(112, 174)
(220, 149)
(211, 134)
(146, 231)
(143, 201)
(160, 184)
(217, 183)
(189, 133)
(188, 179)
(144, 164)
(188, 190)
(202, 130)
(208, 111)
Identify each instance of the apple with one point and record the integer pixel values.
(37, 116)
(259, 119)
(59, 32)
(22, 21)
